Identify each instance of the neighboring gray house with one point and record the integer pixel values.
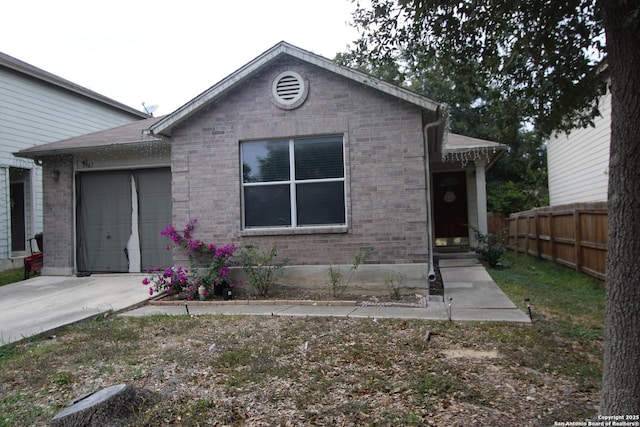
(290, 149)
(578, 163)
(37, 107)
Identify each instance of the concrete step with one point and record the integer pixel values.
(455, 255)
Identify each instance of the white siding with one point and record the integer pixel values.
(5, 224)
(578, 163)
(33, 112)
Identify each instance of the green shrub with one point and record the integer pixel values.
(260, 267)
(394, 282)
(490, 248)
(336, 285)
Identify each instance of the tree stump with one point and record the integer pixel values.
(110, 407)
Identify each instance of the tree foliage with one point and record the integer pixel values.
(479, 108)
(518, 181)
(521, 51)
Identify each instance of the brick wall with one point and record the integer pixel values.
(58, 216)
(386, 208)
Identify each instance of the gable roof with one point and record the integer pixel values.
(128, 135)
(454, 147)
(164, 126)
(21, 67)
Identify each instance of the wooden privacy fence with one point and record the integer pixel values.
(571, 235)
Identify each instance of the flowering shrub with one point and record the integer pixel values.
(216, 276)
(171, 280)
(214, 262)
(196, 250)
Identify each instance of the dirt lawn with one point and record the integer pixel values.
(267, 371)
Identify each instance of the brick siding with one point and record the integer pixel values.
(58, 216)
(386, 208)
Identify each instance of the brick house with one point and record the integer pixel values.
(291, 149)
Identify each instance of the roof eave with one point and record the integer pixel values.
(36, 154)
(490, 153)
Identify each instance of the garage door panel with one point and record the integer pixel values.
(104, 221)
(154, 207)
(104, 218)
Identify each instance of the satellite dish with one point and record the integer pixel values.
(150, 109)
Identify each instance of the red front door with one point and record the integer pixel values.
(450, 209)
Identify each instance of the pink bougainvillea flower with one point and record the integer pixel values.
(168, 232)
(150, 291)
(189, 228)
(145, 281)
(195, 245)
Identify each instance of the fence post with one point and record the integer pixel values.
(528, 233)
(578, 239)
(515, 232)
(536, 220)
(552, 237)
(519, 232)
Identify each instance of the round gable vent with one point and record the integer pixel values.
(289, 90)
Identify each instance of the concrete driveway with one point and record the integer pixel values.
(44, 303)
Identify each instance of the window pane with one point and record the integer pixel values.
(267, 205)
(264, 161)
(320, 203)
(318, 158)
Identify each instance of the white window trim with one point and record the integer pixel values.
(294, 228)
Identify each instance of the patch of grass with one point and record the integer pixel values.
(106, 370)
(234, 358)
(16, 410)
(8, 277)
(198, 412)
(443, 381)
(352, 411)
(63, 379)
(8, 351)
(31, 361)
(568, 319)
(554, 291)
(99, 341)
(244, 365)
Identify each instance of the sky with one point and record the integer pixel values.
(164, 52)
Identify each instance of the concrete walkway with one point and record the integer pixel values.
(470, 295)
(474, 295)
(42, 304)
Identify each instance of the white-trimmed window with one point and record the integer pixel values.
(293, 183)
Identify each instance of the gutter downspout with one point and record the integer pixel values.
(427, 171)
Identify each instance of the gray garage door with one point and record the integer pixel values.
(116, 208)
